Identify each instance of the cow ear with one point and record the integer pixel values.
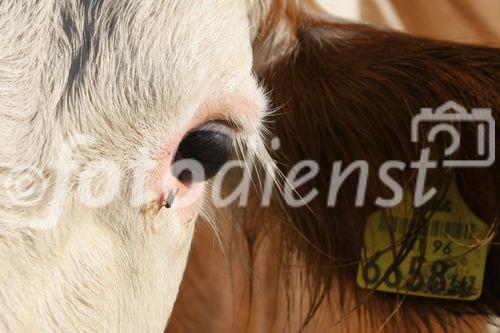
(348, 92)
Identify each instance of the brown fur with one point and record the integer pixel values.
(348, 92)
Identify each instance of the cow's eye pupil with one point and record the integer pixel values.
(209, 145)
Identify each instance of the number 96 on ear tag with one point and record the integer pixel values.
(452, 265)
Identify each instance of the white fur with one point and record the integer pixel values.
(128, 74)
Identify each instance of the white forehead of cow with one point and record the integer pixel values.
(157, 57)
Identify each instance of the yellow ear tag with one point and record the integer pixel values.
(453, 262)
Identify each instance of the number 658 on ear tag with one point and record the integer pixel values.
(453, 263)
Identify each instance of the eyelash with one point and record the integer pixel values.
(210, 145)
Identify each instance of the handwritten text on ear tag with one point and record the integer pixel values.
(452, 264)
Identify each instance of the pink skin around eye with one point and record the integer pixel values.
(187, 195)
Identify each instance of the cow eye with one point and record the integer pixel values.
(210, 145)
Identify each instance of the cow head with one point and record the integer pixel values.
(100, 102)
